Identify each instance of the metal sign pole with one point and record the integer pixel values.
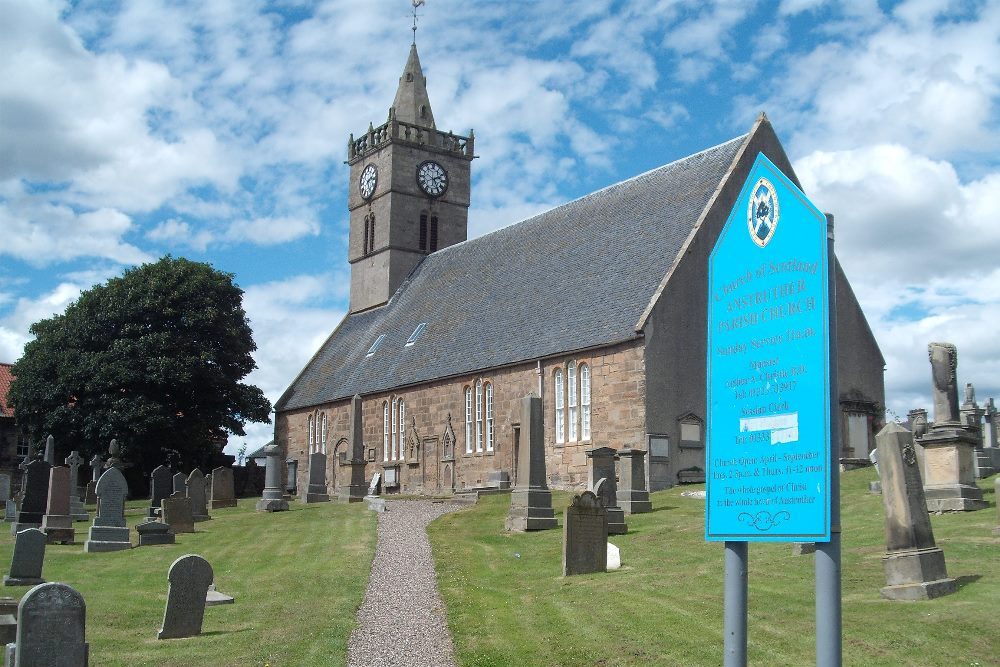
(735, 609)
(828, 612)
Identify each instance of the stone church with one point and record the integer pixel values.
(598, 306)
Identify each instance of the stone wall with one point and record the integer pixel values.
(617, 418)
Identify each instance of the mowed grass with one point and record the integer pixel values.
(508, 605)
(298, 578)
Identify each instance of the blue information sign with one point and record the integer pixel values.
(768, 436)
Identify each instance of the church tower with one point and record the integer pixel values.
(409, 192)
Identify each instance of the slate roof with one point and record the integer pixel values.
(6, 377)
(575, 277)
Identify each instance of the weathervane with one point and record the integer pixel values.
(416, 3)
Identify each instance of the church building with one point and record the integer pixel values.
(598, 306)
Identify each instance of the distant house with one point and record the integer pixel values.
(257, 455)
(13, 443)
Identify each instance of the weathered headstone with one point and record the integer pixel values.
(57, 524)
(5, 493)
(354, 491)
(50, 451)
(273, 499)
(914, 565)
(51, 629)
(585, 536)
(602, 466)
(316, 491)
(109, 531)
(35, 486)
(176, 512)
(180, 483)
(26, 563)
(374, 487)
(161, 484)
(189, 577)
(531, 499)
(215, 597)
(633, 497)
(223, 490)
(291, 476)
(196, 492)
(114, 456)
(949, 447)
(96, 467)
(251, 487)
(154, 532)
(76, 508)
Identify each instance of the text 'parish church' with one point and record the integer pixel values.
(598, 306)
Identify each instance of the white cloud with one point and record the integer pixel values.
(14, 326)
(271, 231)
(179, 233)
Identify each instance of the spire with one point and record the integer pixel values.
(412, 104)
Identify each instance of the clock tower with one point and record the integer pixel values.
(409, 192)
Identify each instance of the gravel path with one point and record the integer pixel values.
(402, 620)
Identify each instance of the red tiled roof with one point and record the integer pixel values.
(6, 377)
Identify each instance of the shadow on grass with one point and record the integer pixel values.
(967, 579)
(211, 633)
(660, 508)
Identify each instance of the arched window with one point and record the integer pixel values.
(489, 416)
(571, 391)
(585, 401)
(395, 436)
(560, 409)
(468, 420)
(385, 431)
(479, 415)
(423, 231)
(312, 434)
(402, 429)
(322, 444)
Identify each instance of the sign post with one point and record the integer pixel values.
(771, 473)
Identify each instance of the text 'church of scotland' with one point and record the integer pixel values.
(598, 306)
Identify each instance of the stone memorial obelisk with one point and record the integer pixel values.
(76, 508)
(633, 497)
(316, 491)
(358, 487)
(949, 446)
(914, 565)
(273, 499)
(531, 499)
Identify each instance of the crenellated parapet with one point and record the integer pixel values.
(394, 130)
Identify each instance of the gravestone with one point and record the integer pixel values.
(189, 578)
(373, 488)
(35, 487)
(96, 467)
(949, 447)
(154, 532)
(57, 524)
(914, 565)
(180, 483)
(5, 494)
(175, 511)
(354, 491)
(316, 491)
(223, 489)
(161, 484)
(531, 499)
(215, 597)
(109, 531)
(291, 475)
(273, 499)
(114, 456)
(602, 466)
(76, 508)
(996, 494)
(50, 451)
(51, 629)
(585, 536)
(196, 492)
(251, 487)
(26, 563)
(633, 497)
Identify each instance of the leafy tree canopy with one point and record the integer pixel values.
(153, 358)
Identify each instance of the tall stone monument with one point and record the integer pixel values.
(531, 499)
(633, 497)
(273, 499)
(914, 565)
(57, 524)
(35, 487)
(602, 467)
(76, 508)
(51, 629)
(949, 446)
(354, 492)
(585, 536)
(50, 451)
(109, 531)
(189, 578)
(161, 485)
(316, 491)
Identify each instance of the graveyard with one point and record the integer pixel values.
(297, 580)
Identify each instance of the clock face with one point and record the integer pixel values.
(369, 177)
(432, 178)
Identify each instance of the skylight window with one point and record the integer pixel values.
(416, 334)
(375, 346)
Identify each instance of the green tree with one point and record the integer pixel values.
(153, 358)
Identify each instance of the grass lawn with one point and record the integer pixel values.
(508, 605)
(298, 578)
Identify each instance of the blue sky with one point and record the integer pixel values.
(218, 131)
